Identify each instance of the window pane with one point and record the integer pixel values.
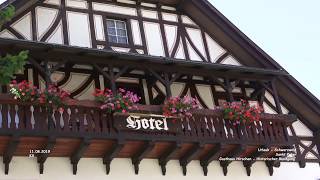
(117, 32)
(121, 24)
(110, 23)
(122, 40)
(112, 39)
(111, 31)
(121, 32)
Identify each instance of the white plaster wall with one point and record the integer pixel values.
(24, 168)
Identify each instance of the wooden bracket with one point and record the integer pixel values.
(43, 157)
(191, 154)
(233, 153)
(207, 159)
(112, 153)
(269, 164)
(224, 165)
(164, 159)
(8, 154)
(302, 164)
(137, 158)
(76, 156)
(255, 154)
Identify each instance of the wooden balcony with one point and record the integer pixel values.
(84, 130)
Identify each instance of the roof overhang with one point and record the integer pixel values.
(55, 52)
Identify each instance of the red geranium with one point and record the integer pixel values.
(242, 112)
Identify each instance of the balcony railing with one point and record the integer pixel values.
(86, 118)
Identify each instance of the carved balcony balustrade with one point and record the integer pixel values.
(91, 132)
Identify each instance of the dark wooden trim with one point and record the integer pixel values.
(191, 154)
(112, 153)
(137, 158)
(64, 22)
(92, 25)
(76, 156)
(212, 155)
(33, 25)
(41, 159)
(166, 156)
(276, 96)
(255, 154)
(9, 152)
(233, 153)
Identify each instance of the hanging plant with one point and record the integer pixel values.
(242, 112)
(24, 91)
(122, 101)
(177, 106)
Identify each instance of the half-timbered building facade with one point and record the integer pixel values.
(157, 49)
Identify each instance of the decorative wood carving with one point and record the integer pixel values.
(10, 150)
(76, 156)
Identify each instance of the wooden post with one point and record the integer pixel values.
(47, 74)
(276, 96)
(229, 89)
(112, 80)
(167, 85)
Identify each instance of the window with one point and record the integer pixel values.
(117, 31)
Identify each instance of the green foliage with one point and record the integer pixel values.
(10, 64)
(6, 15)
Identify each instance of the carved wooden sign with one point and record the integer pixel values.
(145, 122)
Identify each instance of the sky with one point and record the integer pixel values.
(288, 30)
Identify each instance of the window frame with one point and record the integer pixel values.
(128, 32)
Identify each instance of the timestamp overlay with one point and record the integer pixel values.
(36, 152)
(270, 154)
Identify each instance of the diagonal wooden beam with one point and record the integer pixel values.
(9, 151)
(37, 66)
(41, 159)
(212, 155)
(76, 156)
(167, 155)
(121, 72)
(57, 66)
(191, 154)
(216, 80)
(176, 77)
(233, 153)
(104, 74)
(156, 75)
(112, 153)
(137, 158)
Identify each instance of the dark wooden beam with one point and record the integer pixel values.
(76, 156)
(276, 96)
(255, 154)
(167, 155)
(229, 89)
(212, 155)
(9, 151)
(100, 70)
(137, 158)
(233, 153)
(270, 165)
(189, 156)
(41, 158)
(112, 153)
